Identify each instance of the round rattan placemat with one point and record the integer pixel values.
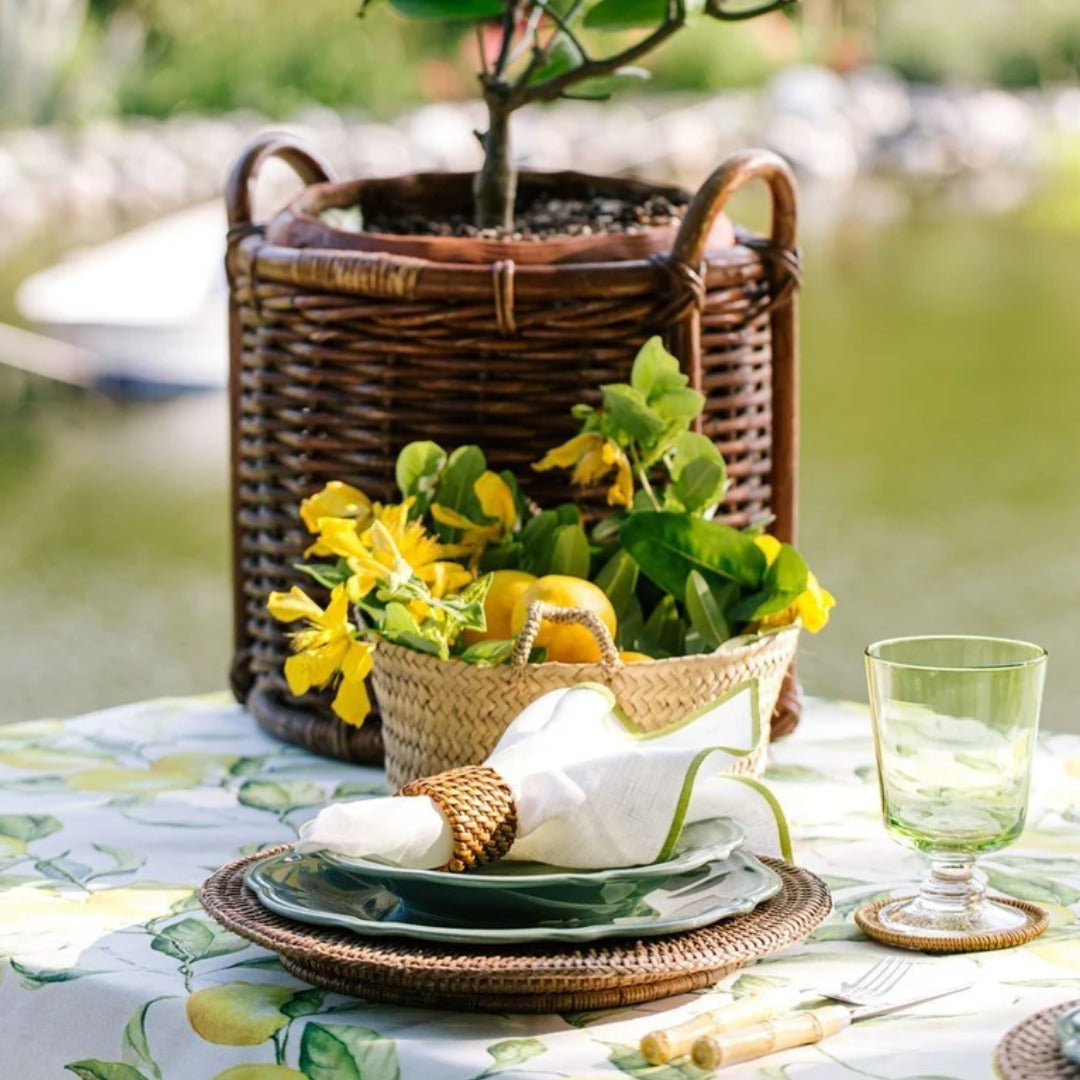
(1037, 921)
(1030, 1049)
(529, 978)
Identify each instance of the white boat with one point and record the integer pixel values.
(146, 311)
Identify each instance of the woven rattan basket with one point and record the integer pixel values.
(440, 714)
(339, 358)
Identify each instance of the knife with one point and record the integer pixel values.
(793, 1029)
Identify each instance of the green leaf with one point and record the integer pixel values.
(36, 978)
(512, 1052)
(664, 632)
(451, 10)
(186, 940)
(456, 486)
(348, 789)
(668, 546)
(678, 406)
(618, 578)
(564, 56)
(336, 1052)
(488, 652)
(690, 446)
(706, 615)
(700, 485)
(746, 985)
(630, 627)
(125, 861)
(92, 1069)
(631, 412)
(784, 580)
(1028, 886)
(570, 552)
(655, 370)
(279, 797)
(417, 471)
(134, 1046)
(304, 1003)
(326, 574)
(568, 514)
(28, 827)
(626, 14)
(191, 939)
(537, 538)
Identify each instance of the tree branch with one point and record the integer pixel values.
(508, 21)
(590, 68)
(715, 9)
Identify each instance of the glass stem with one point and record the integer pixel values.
(952, 884)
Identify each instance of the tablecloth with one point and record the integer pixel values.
(109, 969)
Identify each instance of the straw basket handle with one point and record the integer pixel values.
(311, 168)
(538, 611)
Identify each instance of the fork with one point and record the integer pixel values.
(660, 1047)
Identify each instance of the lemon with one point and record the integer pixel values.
(503, 593)
(569, 643)
(238, 1013)
(628, 656)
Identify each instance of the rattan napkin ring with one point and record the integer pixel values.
(478, 806)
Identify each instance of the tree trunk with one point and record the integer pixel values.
(495, 184)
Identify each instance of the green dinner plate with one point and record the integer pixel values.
(509, 892)
(307, 889)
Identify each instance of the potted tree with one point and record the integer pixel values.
(476, 307)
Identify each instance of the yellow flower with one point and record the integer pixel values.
(497, 503)
(591, 457)
(327, 648)
(336, 500)
(811, 607)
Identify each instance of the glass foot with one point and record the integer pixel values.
(952, 902)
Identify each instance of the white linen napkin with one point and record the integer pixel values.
(591, 790)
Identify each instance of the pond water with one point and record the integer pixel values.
(940, 445)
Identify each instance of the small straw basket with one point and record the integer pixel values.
(442, 714)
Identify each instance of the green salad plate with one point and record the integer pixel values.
(510, 892)
(310, 890)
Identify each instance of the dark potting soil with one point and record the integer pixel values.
(544, 218)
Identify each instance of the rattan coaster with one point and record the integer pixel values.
(1037, 921)
(1030, 1049)
(527, 978)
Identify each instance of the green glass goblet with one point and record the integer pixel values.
(955, 720)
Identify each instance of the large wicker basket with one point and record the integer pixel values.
(341, 357)
(441, 714)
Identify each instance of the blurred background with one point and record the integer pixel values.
(938, 149)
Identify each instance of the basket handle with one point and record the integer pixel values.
(711, 198)
(538, 611)
(311, 168)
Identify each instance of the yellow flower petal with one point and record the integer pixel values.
(770, 546)
(298, 673)
(496, 499)
(351, 703)
(566, 455)
(336, 500)
(339, 537)
(445, 516)
(621, 493)
(293, 605)
(358, 660)
(813, 606)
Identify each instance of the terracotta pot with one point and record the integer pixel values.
(436, 195)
